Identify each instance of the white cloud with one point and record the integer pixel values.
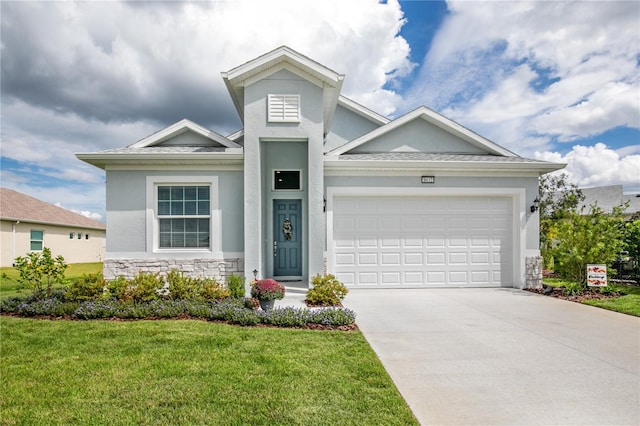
(528, 74)
(598, 165)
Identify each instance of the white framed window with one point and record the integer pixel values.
(287, 180)
(36, 240)
(182, 214)
(283, 108)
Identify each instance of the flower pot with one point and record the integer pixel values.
(267, 305)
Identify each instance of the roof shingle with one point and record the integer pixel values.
(17, 206)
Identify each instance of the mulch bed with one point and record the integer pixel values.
(588, 294)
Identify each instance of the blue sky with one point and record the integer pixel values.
(557, 81)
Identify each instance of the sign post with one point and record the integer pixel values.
(597, 275)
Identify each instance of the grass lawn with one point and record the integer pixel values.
(627, 303)
(190, 372)
(9, 285)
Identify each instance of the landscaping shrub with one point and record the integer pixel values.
(87, 287)
(39, 271)
(326, 291)
(144, 287)
(235, 284)
(181, 286)
(117, 288)
(211, 290)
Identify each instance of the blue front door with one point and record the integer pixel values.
(287, 238)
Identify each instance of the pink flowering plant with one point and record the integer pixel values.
(268, 289)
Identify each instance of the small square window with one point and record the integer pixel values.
(71, 235)
(286, 179)
(79, 235)
(86, 236)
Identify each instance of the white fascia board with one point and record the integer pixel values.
(434, 118)
(335, 166)
(362, 111)
(236, 135)
(181, 127)
(102, 160)
(270, 59)
(60, 224)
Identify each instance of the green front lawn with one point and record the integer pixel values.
(627, 303)
(9, 285)
(190, 372)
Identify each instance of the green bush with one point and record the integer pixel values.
(182, 287)
(235, 284)
(87, 287)
(574, 289)
(144, 287)
(211, 290)
(326, 291)
(39, 271)
(117, 288)
(583, 239)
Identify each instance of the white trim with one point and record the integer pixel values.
(152, 223)
(518, 212)
(223, 167)
(362, 111)
(180, 127)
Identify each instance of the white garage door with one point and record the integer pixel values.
(423, 241)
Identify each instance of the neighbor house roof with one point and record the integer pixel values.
(16, 206)
(607, 197)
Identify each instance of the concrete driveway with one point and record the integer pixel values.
(503, 356)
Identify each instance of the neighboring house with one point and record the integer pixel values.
(608, 197)
(316, 183)
(28, 225)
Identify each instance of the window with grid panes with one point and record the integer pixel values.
(184, 215)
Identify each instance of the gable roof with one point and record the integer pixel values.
(16, 206)
(434, 118)
(180, 127)
(153, 150)
(284, 57)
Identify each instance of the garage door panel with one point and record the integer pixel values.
(436, 258)
(422, 241)
(368, 259)
(413, 258)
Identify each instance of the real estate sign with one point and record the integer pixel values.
(596, 275)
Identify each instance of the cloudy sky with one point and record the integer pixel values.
(552, 80)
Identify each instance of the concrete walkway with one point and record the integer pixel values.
(503, 356)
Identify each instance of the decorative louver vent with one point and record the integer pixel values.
(284, 108)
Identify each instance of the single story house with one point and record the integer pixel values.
(315, 183)
(608, 197)
(28, 225)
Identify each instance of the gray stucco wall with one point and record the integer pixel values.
(346, 126)
(126, 210)
(418, 135)
(258, 132)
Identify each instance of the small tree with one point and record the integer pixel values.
(559, 198)
(39, 270)
(581, 239)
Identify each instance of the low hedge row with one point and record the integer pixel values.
(232, 310)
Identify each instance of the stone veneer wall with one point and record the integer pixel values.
(533, 271)
(218, 268)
